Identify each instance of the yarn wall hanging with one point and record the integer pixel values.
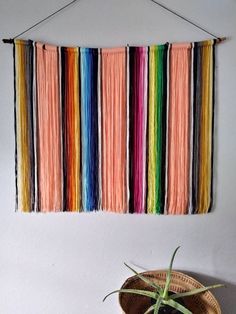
(127, 130)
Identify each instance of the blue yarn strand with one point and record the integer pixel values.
(89, 132)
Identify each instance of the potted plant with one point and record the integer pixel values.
(166, 292)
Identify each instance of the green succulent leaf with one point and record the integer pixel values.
(177, 306)
(157, 305)
(147, 281)
(160, 295)
(145, 293)
(168, 275)
(194, 291)
(151, 308)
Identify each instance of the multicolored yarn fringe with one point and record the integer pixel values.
(125, 130)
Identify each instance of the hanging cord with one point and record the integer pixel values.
(11, 40)
(218, 39)
(187, 20)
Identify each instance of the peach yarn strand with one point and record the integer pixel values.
(114, 129)
(178, 142)
(49, 134)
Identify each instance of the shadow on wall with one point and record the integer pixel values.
(225, 296)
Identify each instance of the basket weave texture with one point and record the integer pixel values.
(203, 303)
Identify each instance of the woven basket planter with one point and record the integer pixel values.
(204, 303)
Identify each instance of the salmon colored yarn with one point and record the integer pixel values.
(178, 125)
(49, 129)
(114, 130)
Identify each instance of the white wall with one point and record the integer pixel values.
(66, 263)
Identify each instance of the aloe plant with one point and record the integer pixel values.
(162, 296)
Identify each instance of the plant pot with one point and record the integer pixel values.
(203, 303)
(167, 309)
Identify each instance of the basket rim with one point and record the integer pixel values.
(181, 276)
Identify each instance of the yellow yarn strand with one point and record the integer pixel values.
(206, 129)
(77, 132)
(152, 152)
(23, 171)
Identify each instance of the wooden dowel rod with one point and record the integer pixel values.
(11, 41)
